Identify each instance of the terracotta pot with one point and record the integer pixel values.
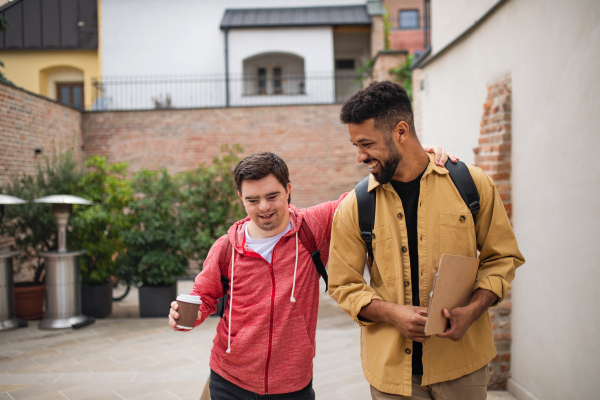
(29, 301)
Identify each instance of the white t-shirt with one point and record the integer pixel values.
(265, 247)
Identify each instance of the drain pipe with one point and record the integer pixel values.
(226, 70)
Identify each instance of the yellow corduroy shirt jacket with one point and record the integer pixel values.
(445, 225)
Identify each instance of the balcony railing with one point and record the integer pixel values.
(210, 91)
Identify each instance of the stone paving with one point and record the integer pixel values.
(125, 357)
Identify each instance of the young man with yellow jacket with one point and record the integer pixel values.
(419, 216)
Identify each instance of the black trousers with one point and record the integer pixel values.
(222, 389)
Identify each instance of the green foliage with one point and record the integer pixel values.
(209, 204)
(404, 74)
(32, 225)
(366, 69)
(152, 254)
(177, 218)
(387, 29)
(97, 228)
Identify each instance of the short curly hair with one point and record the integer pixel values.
(386, 102)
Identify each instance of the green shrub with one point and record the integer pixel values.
(97, 228)
(32, 225)
(177, 218)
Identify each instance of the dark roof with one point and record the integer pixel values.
(50, 24)
(305, 16)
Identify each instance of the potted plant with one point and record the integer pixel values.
(33, 229)
(97, 229)
(152, 255)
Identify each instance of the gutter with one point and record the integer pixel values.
(422, 61)
(417, 63)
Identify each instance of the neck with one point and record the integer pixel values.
(256, 233)
(414, 161)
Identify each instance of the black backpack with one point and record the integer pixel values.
(460, 175)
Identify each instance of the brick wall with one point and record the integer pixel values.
(28, 122)
(409, 40)
(311, 140)
(377, 35)
(384, 62)
(493, 155)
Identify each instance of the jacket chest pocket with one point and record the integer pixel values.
(457, 234)
(385, 253)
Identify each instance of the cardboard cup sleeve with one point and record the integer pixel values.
(188, 310)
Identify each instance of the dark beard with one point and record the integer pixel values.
(388, 168)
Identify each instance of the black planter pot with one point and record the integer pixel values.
(155, 301)
(96, 300)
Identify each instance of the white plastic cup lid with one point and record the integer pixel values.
(187, 298)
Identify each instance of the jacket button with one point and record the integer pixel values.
(404, 249)
(406, 283)
(400, 215)
(407, 351)
(462, 218)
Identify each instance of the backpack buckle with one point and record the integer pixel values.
(474, 206)
(366, 236)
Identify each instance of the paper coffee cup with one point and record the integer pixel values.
(188, 306)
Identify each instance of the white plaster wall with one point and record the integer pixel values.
(552, 50)
(174, 37)
(450, 18)
(314, 45)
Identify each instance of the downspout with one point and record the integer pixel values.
(226, 70)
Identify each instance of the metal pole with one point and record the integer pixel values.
(226, 70)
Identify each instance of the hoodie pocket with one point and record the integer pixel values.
(248, 356)
(292, 354)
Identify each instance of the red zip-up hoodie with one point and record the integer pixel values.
(270, 337)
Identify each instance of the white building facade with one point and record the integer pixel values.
(550, 52)
(188, 54)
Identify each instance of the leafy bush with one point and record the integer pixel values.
(97, 228)
(177, 218)
(32, 225)
(404, 74)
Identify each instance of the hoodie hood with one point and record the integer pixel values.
(238, 238)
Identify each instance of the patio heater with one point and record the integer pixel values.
(7, 297)
(63, 289)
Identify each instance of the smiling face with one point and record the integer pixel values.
(266, 202)
(375, 149)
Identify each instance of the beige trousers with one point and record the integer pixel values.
(468, 387)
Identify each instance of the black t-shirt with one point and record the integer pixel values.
(409, 195)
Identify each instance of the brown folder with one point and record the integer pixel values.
(452, 287)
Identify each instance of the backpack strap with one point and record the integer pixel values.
(463, 181)
(366, 202)
(308, 241)
(224, 262)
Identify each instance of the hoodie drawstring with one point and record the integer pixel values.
(231, 300)
(292, 299)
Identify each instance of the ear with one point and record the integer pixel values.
(240, 196)
(402, 131)
(288, 191)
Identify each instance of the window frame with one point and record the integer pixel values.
(71, 85)
(400, 19)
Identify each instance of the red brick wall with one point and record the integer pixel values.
(410, 40)
(27, 122)
(493, 155)
(311, 140)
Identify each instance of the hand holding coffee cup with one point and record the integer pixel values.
(184, 312)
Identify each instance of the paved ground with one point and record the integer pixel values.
(124, 357)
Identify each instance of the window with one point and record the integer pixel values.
(277, 87)
(344, 64)
(409, 19)
(70, 93)
(262, 81)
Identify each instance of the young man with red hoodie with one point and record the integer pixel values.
(265, 343)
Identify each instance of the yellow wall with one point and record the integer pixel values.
(31, 70)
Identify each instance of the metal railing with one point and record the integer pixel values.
(215, 90)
